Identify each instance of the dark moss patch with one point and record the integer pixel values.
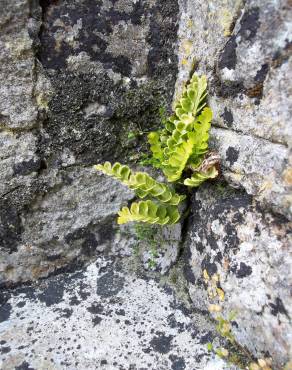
(227, 117)
(278, 308)
(161, 343)
(232, 155)
(187, 268)
(102, 136)
(10, 226)
(162, 36)
(249, 24)
(228, 56)
(109, 284)
(177, 363)
(26, 167)
(52, 293)
(242, 270)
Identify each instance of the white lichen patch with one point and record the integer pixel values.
(101, 318)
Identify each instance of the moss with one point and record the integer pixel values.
(100, 136)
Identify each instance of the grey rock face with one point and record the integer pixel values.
(78, 76)
(249, 250)
(102, 318)
(18, 108)
(244, 50)
(79, 222)
(244, 47)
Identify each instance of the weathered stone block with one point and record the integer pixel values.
(249, 250)
(77, 77)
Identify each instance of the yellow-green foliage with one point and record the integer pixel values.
(199, 177)
(184, 140)
(143, 184)
(182, 144)
(150, 212)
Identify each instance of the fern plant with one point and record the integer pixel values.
(183, 142)
(180, 146)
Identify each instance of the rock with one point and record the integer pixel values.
(156, 247)
(257, 165)
(244, 48)
(248, 249)
(80, 221)
(102, 317)
(18, 109)
(77, 78)
(248, 65)
(82, 82)
(19, 163)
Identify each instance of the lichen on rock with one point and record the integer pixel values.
(81, 81)
(92, 71)
(243, 234)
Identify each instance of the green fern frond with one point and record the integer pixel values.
(201, 129)
(150, 212)
(185, 136)
(192, 100)
(174, 166)
(155, 145)
(143, 184)
(118, 171)
(199, 177)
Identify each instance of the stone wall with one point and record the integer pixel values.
(78, 76)
(240, 230)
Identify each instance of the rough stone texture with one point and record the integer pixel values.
(244, 47)
(69, 224)
(249, 249)
(102, 318)
(159, 257)
(18, 108)
(77, 77)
